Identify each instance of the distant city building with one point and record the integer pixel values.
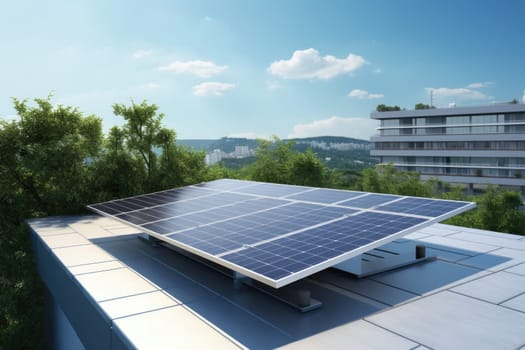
(218, 155)
(469, 145)
(241, 151)
(214, 157)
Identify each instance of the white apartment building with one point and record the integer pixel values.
(214, 157)
(241, 151)
(469, 145)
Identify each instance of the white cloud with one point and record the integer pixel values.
(377, 70)
(211, 88)
(363, 94)
(470, 92)
(460, 93)
(523, 98)
(142, 54)
(202, 69)
(359, 128)
(308, 64)
(479, 85)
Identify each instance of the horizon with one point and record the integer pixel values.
(269, 139)
(295, 69)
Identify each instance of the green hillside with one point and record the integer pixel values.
(324, 146)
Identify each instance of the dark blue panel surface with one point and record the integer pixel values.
(253, 228)
(206, 215)
(225, 184)
(325, 196)
(150, 200)
(284, 256)
(189, 206)
(369, 200)
(423, 206)
(275, 233)
(271, 190)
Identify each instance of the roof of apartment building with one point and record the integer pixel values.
(119, 291)
(451, 111)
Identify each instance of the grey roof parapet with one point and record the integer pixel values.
(497, 108)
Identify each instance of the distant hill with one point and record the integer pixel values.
(227, 144)
(336, 152)
(332, 139)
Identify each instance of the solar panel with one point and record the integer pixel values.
(276, 234)
(327, 196)
(370, 200)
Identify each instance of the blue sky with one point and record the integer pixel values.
(261, 68)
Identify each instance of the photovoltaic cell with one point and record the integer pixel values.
(149, 200)
(225, 184)
(422, 206)
(274, 233)
(290, 254)
(325, 196)
(272, 190)
(369, 200)
(258, 227)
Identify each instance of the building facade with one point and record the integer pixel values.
(468, 145)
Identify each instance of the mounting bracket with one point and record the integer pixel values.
(386, 258)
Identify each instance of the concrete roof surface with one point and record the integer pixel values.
(471, 296)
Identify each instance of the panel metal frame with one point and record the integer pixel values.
(312, 269)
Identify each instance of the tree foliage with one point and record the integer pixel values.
(21, 293)
(497, 210)
(53, 161)
(116, 173)
(384, 108)
(143, 132)
(387, 179)
(277, 162)
(143, 156)
(423, 106)
(44, 154)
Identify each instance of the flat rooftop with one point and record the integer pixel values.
(119, 291)
(451, 111)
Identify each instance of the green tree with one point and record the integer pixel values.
(422, 106)
(220, 171)
(150, 143)
(307, 170)
(370, 181)
(384, 108)
(44, 159)
(344, 179)
(273, 161)
(45, 153)
(497, 210)
(143, 133)
(385, 178)
(116, 173)
(181, 166)
(277, 162)
(21, 292)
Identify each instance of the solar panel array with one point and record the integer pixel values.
(276, 233)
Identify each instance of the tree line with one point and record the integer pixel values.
(54, 160)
